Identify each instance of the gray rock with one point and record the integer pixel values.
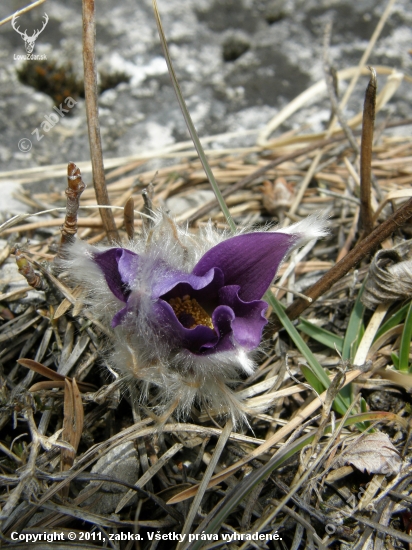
(283, 57)
(121, 463)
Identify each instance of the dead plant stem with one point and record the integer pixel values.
(90, 90)
(366, 214)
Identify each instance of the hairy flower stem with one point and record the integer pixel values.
(365, 247)
(90, 91)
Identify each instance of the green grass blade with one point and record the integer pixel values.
(352, 338)
(311, 378)
(353, 332)
(364, 409)
(393, 321)
(316, 369)
(405, 344)
(189, 123)
(395, 360)
(321, 335)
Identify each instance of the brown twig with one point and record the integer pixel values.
(366, 214)
(75, 187)
(128, 216)
(90, 90)
(33, 278)
(364, 247)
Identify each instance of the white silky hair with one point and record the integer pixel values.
(171, 380)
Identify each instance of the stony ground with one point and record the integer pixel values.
(238, 61)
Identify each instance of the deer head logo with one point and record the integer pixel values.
(29, 41)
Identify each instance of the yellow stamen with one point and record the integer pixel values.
(191, 307)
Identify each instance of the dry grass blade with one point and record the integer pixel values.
(41, 369)
(332, 83)
(205, 481)
(20, 12)
(233, 478)
(39, 386)
(399, 378)
(72, 426)
(369, 335)
(278, 436)
(149, 474)
(366, 213)
(58, 380)
(11, 334)
(66, 304)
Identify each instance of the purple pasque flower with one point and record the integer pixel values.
(217, 306)
(185, 311)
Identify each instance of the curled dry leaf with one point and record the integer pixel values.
(390, 276)
(73, 422)
(374, 453)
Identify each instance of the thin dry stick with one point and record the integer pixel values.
(365, 223)
(23, 10)
(365, 247)
(90, 91)
(330, 79)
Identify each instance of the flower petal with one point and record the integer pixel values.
(203, 288)
(119, 267)
(119, 317)
(250, 261)
(200, 340)
(249, 317)
(236, 323)
(195, 340)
